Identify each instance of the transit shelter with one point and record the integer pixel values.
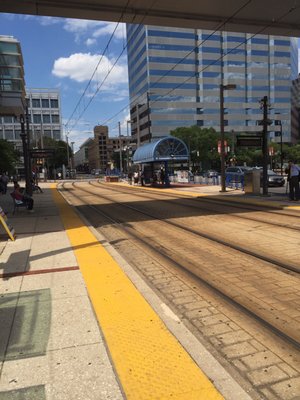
(160, 153)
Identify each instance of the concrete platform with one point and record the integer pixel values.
(51, 344)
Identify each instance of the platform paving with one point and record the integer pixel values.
(50, 343)
(51, 346)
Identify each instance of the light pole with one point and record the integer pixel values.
(72, 159)
(222, 88)
(279, 122)
(129, 121)
(68, 155)
(120, 146)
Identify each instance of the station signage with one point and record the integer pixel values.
(41, 153)
(249, 141)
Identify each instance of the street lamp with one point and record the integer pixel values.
(222, 88)
(72, 159)
(129, 121)
(120, 148)
(279, 122)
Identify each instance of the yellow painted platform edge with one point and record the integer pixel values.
(138, 318)
(271, 203)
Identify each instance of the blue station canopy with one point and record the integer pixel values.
(163, 149)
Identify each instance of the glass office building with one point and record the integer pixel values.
(175, 76)
(12, 83)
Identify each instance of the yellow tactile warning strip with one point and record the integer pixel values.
(149, 361)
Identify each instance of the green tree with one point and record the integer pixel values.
(292, 153)
(60, 156)
(8, 156)
(202, 144)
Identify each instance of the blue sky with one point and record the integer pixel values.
(63, 53)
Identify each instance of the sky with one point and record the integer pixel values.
(61, 53)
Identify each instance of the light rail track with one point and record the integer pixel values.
(284, 265)
(197, 203)
(179, 262)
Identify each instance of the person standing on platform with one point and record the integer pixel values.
(293, 180)
(4, 180)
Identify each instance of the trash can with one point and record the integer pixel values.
(252, 182)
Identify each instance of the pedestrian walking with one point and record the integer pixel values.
(293, 172)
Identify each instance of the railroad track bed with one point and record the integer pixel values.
(247, 308)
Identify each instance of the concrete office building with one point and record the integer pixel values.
(44, 118)
(175, 76)
(102, 147)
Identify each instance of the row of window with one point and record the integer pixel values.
(42, 103)
(37, 119)
(9, 134)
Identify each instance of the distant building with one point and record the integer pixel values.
(102, 148)
(175, 76)
(81, 157)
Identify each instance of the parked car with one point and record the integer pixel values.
(274, 179)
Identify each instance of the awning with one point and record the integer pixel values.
(163, 149)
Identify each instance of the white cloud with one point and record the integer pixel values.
(109, 28)
(90, 42)
(81, 25)
(80, 67)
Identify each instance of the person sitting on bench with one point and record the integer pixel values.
(19, 195)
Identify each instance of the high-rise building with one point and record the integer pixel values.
(175, 76)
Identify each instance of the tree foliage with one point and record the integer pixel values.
(60, 156)
(203, 147)
(8, 156)
(202, 144)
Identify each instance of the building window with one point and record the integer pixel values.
(8, 120)
(55, 119)
(9, 134)
(46, 119)
(37, 118)
(56, 134)
(17, 134)
(36, 103)
(47, 132)
(45, 103)
(54, 103)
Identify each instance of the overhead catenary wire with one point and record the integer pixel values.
(95, 70)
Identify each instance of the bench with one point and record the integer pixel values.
(17, 203)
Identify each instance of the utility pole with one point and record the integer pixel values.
(223, 177)
(120, 146)
(29, 188)
(25, 156)
(149, 121)
(264, 106)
